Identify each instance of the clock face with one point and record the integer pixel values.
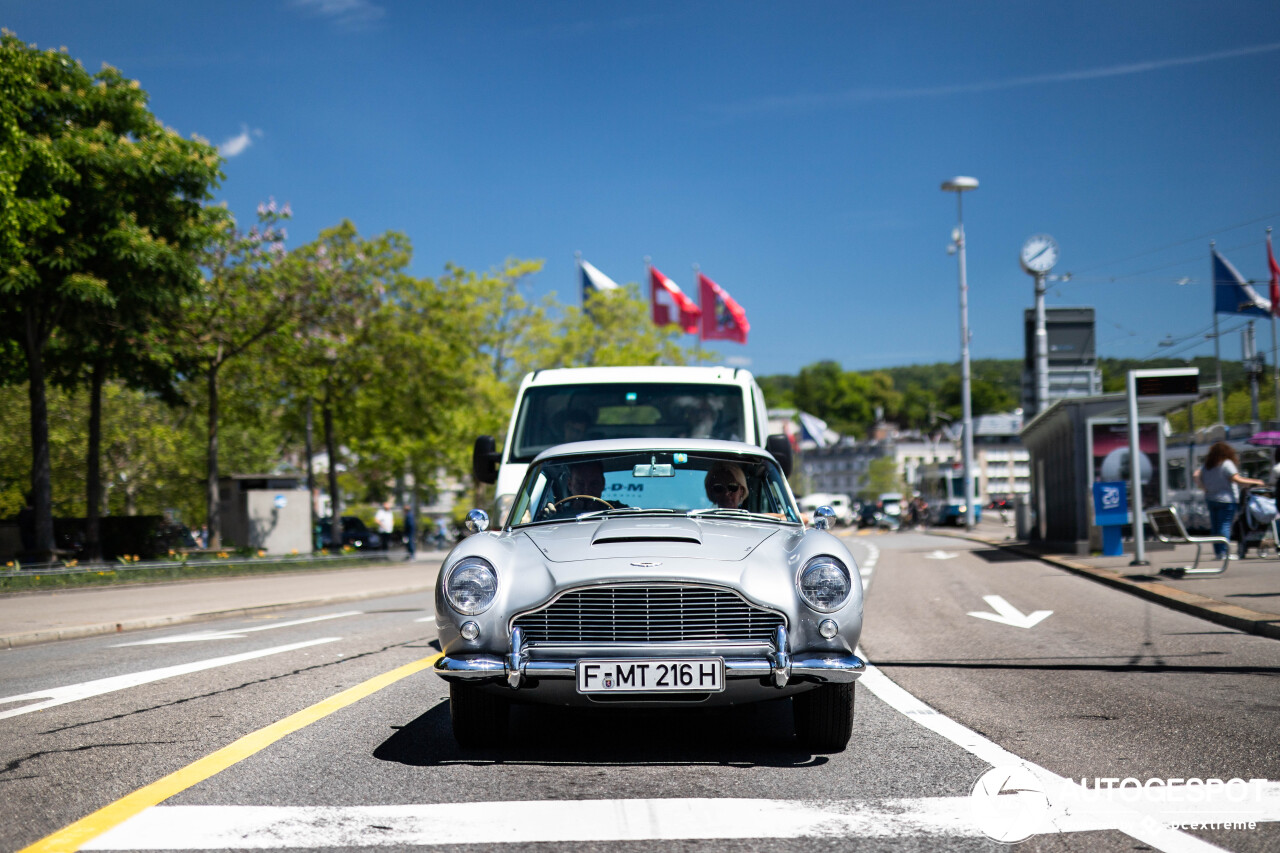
(1039, 254)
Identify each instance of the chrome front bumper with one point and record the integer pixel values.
(778, 667)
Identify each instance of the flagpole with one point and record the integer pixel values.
(1217, 346)
(1275, 365)
(697, 344)
(582, 291)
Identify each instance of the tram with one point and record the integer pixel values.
(942, 485)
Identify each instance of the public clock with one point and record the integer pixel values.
(1039, 254)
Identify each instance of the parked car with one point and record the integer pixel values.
(354, 533)
(868, 515)
(890, 506)
(616, 579)
(841, 504)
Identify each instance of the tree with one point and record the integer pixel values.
(613, 329)
(243, 299)
(99, 206)
(331, 349)
(882, 476)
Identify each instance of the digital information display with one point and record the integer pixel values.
(1167, 386)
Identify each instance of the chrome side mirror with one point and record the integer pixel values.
(824, 518)
(477, 521)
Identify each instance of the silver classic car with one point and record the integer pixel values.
(651, 572)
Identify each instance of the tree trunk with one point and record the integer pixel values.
(41, 472)
(311, 471)
(93, 474)
(212, 508)
(335, 500)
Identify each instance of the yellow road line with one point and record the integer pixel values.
(91, 826)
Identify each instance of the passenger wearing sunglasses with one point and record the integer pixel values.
(726, 485)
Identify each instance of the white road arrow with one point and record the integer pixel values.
(239, 633)
(1010, 615)
(940, 555)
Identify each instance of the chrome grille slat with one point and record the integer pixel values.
(641, 614)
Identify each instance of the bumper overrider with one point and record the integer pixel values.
(777, 666)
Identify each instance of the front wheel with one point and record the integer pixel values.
(824, 717)
(479, 717)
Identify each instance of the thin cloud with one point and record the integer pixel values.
(236, 145)
(850, 97)
(346, 14)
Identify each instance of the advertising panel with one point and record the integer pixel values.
(1110, 443)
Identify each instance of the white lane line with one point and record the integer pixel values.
(554, 821)
(237, 633)
(867, 567)
(74, 692)
(1135, 823)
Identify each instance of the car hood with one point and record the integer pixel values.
(629, 538)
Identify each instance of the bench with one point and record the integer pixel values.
(1167, 527)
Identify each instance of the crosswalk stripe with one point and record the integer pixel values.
(531, 822)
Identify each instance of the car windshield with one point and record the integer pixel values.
(557, 414)
(698, 484)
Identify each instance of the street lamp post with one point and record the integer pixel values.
(959, 185)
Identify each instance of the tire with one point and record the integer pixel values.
(479, 718)
(824, 717)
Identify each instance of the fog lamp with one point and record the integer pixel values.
(827, 628)
(471, 630)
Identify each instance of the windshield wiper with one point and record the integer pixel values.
(737, 513)
(622, 510)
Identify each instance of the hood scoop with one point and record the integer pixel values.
(619, 530)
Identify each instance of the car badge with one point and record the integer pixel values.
(646, 564)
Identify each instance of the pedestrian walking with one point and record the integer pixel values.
(385, 520)
(1220, 478)
(409, 532)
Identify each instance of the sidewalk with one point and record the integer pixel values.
(38, 617)
(1245, 597)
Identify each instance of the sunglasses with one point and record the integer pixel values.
(721, 488)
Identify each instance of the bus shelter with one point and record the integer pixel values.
(1082, 440)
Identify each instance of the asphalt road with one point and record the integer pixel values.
(218, 735)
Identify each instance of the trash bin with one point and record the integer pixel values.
(1111, 513)
(1022, 518)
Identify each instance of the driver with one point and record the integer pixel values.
(587, 478)
(726, 485)
(585, 485)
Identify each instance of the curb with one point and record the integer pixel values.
(1210, 609)
(31, 638)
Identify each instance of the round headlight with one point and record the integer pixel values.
(471, 585)
(824, 583)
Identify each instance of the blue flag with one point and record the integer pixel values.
(594, 281)
(1232, 294)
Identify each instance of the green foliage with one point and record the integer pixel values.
(100, 209)
(779, 391)
(152, 453)
(171, 570)
(882, 476)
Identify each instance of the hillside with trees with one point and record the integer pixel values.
(922, 397)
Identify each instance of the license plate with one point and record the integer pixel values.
(700, 675)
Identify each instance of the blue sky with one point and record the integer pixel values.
(793, 151)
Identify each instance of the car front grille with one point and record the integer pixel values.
(649, 614)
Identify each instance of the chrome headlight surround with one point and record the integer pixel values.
(471, 585)
(824, 583)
